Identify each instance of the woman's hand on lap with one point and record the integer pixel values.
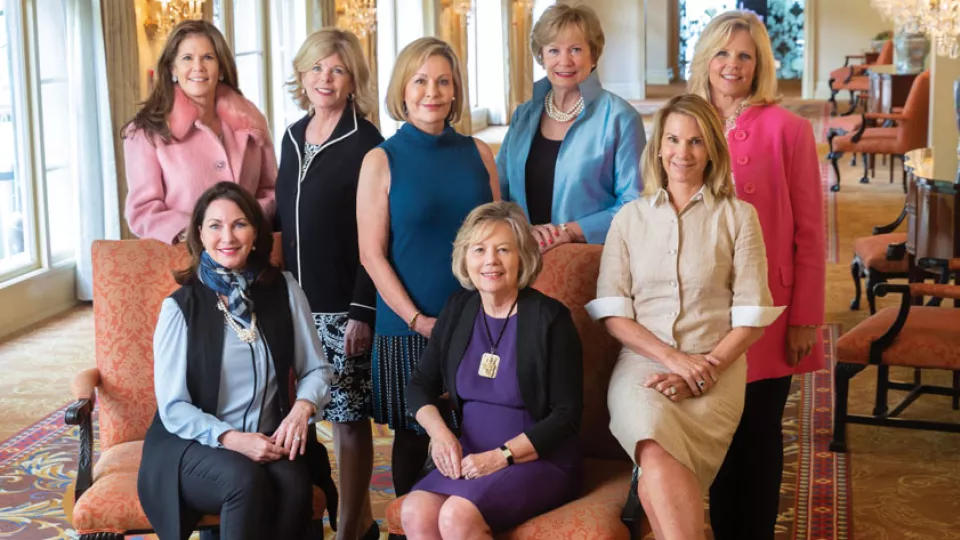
(292, 433)
(671, 385)
(255, 446)
(482, 464)
(447, 454)
(697, 372)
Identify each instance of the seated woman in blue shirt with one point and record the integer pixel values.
(571, 158)
(229, 438)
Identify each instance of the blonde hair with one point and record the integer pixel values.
(558, 17)
(478, 221)
(326, 42)
(408, 62)
(717, 176)
(763, 89)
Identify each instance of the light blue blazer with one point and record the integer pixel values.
(598, 168)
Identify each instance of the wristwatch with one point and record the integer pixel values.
(507, 454)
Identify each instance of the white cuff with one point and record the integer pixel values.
(754, 316)
(611, 306)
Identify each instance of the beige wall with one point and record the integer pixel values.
(658, 46)
(942, 131)
(622, 67)
(842, 27)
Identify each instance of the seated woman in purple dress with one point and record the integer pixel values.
(510, 358)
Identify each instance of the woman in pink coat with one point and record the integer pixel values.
(775, 168)
(194, 130)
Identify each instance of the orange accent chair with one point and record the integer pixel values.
(852, 78)
(879, 258)
(917, 336)
(131, 278)
(570, 275)
(909, 133)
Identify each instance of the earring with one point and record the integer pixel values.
(351, 96)
(303, 91)
(221, 78)
(403, 107)
(254, 248)
(174, 78)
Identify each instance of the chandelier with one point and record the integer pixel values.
(939, 19)
(163, 15)
(359, 17)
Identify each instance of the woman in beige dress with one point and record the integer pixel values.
(683, 286)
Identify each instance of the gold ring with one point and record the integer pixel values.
(673, 390)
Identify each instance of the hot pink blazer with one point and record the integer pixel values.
(165, 179)
(775, 167)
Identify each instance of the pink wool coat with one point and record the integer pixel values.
(166, 179)
(776, 169)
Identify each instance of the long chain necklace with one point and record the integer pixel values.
(556, 114)
(490, 362)
(246, 335)
(730, 122)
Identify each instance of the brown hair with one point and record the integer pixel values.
(259, 258)
(477, 220)
(410, 59)
(717, 176)
(560, 16)
(153, 113)
(323, 43)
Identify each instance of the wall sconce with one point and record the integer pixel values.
(462, 7)
(163, 15)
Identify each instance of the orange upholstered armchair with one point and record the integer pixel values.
(909, 133)
(130, 280)
(570, 275)
(917, 336)
(852, 77)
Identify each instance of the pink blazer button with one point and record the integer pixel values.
(740, 135)
(749, 188)
(743, 160)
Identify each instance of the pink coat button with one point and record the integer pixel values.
(749, 188)
(743, 160)
(740, 135)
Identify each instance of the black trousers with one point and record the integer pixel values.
(254, 501)
(745, 496)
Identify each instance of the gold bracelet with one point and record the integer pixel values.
(413, 321)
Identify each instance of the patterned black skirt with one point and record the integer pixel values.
(394, 359)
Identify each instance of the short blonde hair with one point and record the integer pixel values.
(717, 176)
(323, 43)
(478, 221)
(408, 62)
(763, 90)
(558, 17)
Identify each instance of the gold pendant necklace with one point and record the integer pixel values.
(246, 335)
(490, 362)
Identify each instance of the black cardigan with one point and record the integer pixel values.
(317, 216)
(549, 364)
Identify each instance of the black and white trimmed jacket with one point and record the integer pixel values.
(317, 218)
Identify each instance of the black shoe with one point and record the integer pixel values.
(373, 533)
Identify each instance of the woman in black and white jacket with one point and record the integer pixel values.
(316, 195)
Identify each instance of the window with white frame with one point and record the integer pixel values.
(38, 178)
(486, 70)
(264, 37)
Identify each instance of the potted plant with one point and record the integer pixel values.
(878, 40)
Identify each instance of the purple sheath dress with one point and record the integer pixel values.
(494, 413)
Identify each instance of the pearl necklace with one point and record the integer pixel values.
(556, 114)
(246, 335)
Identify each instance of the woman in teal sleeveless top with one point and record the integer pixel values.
(415, 191)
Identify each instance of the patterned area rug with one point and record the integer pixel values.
(39, 463)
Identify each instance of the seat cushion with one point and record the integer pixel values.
(872, 252)
(112, 505)
(595, 515)
(873, 141)
(929, 339)
(846, 123)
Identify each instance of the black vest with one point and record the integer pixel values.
(158, 483)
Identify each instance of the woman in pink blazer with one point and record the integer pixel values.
(775, 168)
(194, 130)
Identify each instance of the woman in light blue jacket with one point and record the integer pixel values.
(571, 158)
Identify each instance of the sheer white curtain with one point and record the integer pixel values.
(93, 141)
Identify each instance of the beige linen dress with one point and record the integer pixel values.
(689, 279)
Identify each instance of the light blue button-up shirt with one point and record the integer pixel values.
(598, 167)
(248, 384)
